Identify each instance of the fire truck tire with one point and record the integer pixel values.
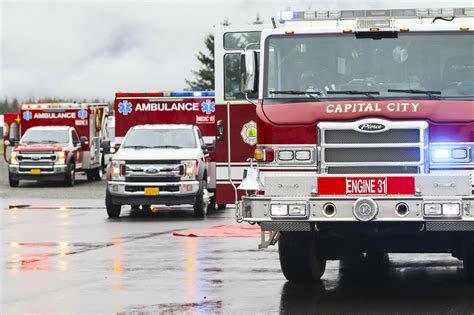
(200, 206)
(13, 182)
(113, 210)
(299, 257)
(468, 262)
(70, 176)
(221, 206)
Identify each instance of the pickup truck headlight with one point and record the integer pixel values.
(61, 157)
(450, 154)
(13, 159)
(190, 169)
(117, 170)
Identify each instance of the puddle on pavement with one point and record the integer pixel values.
(204, 307)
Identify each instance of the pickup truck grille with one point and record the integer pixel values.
(36, 157)
(399, 148)
(154, 172)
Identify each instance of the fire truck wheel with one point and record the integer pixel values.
(299, 257)
(13, 182)
(112, 210)
(202, 201)
(468, 262)
(221, 206)
(70, 177)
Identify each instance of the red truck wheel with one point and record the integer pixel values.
(299, 257)
(13, 182)
(70, 176)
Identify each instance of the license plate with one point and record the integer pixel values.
(353, 185)
(152, 191)
(35, 171)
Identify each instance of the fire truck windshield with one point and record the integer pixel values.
(318, 66)
(45, 136)
(160, 138)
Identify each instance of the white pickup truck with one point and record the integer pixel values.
(159, 165)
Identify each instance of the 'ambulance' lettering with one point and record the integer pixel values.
(166, 107)
(71, 115)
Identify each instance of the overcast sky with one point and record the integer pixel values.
(91, 49)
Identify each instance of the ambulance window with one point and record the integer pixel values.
(232, 77)
(240, 40)
(75, 137)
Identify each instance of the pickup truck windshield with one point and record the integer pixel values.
(45, 136)
(161, 138)
(318, 65)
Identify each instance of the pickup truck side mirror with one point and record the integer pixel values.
(84, 141)
(205, 150)
(10, 142)
(105, 146)
(220, 130)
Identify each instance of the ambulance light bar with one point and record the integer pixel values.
(166, 94)
(286, 16)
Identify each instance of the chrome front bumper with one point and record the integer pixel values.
(185, 188)
(45, 169)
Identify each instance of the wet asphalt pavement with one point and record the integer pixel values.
(65, 256)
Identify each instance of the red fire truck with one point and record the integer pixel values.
(58, 140)
(365, 139)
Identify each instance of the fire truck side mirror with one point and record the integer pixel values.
(248, 71)
(220, 130)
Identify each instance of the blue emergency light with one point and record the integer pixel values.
(195, 94)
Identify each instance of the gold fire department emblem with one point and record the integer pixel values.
(249, 133)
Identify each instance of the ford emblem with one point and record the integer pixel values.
(371, 127)
(151, 170)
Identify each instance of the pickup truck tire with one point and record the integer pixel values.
(70, 176)
(200, 206)
(299, 257)
(113, 211)
(221, 206)
(90, 175)
(13, 182)
(468, 262)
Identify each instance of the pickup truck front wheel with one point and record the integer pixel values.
(113, 211)
(299, 257)
(202, 201)
(13, 182)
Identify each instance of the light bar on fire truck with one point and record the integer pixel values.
(287, 16)
(167, 94)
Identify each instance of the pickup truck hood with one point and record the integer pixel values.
(40, 147)
(157, 154)
(305, 113)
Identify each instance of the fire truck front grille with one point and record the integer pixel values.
(389, 136)
(373, 170)
(397, 148)
(372, 155)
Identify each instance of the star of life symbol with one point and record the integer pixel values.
(125, 107)
(27, 115)
(249, 133)
(208, 107)
(82, 114)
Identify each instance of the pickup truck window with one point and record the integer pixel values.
(45, 136)
(161, 138)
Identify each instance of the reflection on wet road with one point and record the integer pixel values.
(64, 256)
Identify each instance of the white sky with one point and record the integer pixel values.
(92, 49)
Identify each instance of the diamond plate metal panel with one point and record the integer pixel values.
(443, 185)
(290, 185)
(449, 226)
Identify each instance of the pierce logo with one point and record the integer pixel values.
(125, 107)
(27, 115)
(371, 127)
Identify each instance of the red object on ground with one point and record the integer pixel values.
(231, 230)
